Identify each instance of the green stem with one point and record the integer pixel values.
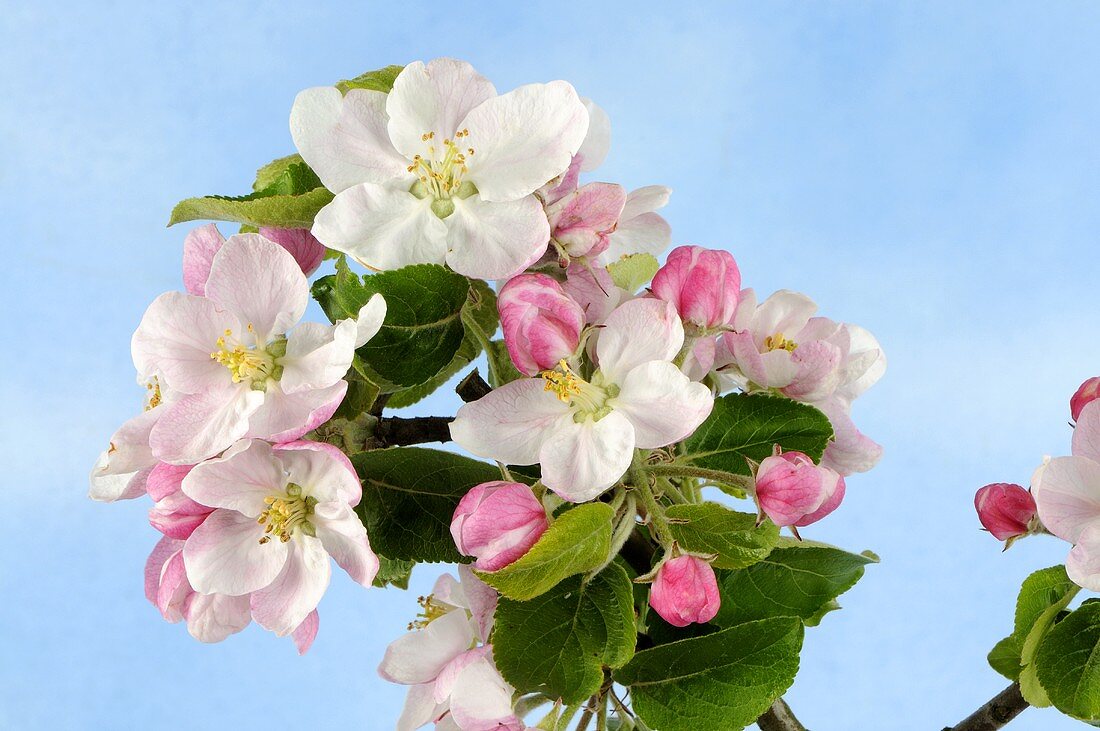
(667, 488)
(623, 529)
(677, 470)
(654, 512)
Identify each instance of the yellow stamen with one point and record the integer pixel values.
(430, 610)
(286, 514)
(778, 342)
(563, 382)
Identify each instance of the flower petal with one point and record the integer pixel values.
(510, 423)
(324, 468)
(433, 97)
(817, 371)
(1086, 435)
(342, 534)
(1083, 563)
(370, 319)
(850, 451)
(201, 425)
(481, 600)
(224, 555)
(175, 338)
(306, 632)
(481, 700)
(420, 707)
(120, 472)
(1067, 495)
(285, 417)
(597, 140)
(419, 656)
(299, 243)
(580, 461)
(199, 249)
(154, 565)
(783, 312)
(381, 228)
(638, 331)
(523, 139)
(288, 600)
(213, 617)
(239, 480)
(317, 356)
(866, 363)
(495, 240)
(662, 404)
(344, 138)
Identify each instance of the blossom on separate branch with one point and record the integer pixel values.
(1005, 510)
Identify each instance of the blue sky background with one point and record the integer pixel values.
(928, 171)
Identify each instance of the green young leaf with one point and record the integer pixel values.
(409, 497)
(1005, 657)
(559, 642)
(731, 536)
(633, 271)
(793, 581)
(1043, 596)
(423, 326)
(481, 306)
(578, 541)
(717, 682)
(290, 199)
(393, 572)
(269, 174)
(361, 395)
(1067, 663)
(501, 368)
(378, 80)
(743, 426)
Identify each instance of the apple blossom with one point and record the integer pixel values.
(641, 230)
(703, 284)
(280, 512)
(229, 362)
(1005, 510)
(497, 522)
(793, 491)
(1088, 392)
(593, 289)
(173, 513)
(685, 591)
(541, 323)
(204, 242)
(582, 221)
(441, 169)
(583, 431)
(121, 470)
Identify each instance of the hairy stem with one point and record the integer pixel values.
(677, 470)
(779, 717)
(1000, 709)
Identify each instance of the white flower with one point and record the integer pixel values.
(441, 169)
(584, 431)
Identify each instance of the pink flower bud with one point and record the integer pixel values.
(1086, 394)
(582, 221)
(173, 514)
(793, 491)
(1005, 509)
(541, 323)
(497, 522)
(302, 245)
(703, 284)
(685, 591)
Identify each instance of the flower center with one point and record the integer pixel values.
(286, 514)
(778, 342)
(250, 363)
(441, 177)
(585, 397)
(430, 610)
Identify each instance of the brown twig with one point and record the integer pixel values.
(1000, 709)
(779, 717)
(472, 387)
(398, 431)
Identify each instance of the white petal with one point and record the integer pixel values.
(1086, 435)
(174, 341)
(224, 555)
(510, 423)
(1083, 563)
(481, 698)
(213, 617)
(662, 404)
(239, 480)
(323, 469)
(261, 283)
(199, 249)
(523, 139)
(580, 461)
(317, 355)
(648, 233)
(203, 424)
(381, 228)
(433, 97)
(597, 141)
(288, 600)
(420, 708)
(344, 139)
(119, 472)
(284, 417)
(370, 319)
(1067, 495)
(866, 363)
(646, 200)
(418, 657)
(496, 240)
(638, 331)
(784, 312)
(481, 600)
(851, 450)
(344, 537)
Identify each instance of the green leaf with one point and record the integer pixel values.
(1068, 663)
(361, 395)
(743, 426)
(269, 174)
(718, 682)
(501, 368)
(379, 80)
(393, 572)
(578, 541)
(423, 326)
(733, 537)
(290, 199)
(1043, 596)
(559, 642)
(1005, 657)
(481, 306)
(409, 497)
(793, 581)
(633, 271)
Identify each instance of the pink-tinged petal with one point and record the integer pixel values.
(288, 600)
(495, 240)
(120, 473)
(420, 708)
(662, 404)
(369, 320)
(562, 185)
(381, 228)
(703, 284)
(817, 371)
(481, 600)
(239, 480)
(850, 451)
(285, 417)
(783, 312)
(1083, 563)
(1086, 435)
(419, 656)
(154, 565)
(337, 472)
(790, 486)
(597, 140)
(701, 358)
(523, 138)
(510, 423)
(582, 220)
(177, 516)
(685, 591)
(748, 359)
(306, 632)
(213, 617)
(317, 355)
(1067, 495)
(173, 591)
(1085, 394)
(433, 98)
(176, 336)
(594, 290)
(833, 487)
(203, 424)
(866, 363)
(1005, 510)
(640, 230)
(261, 283)
(481, 700)
(580, 461)
(224, 555)
(497, 522)
(344, 138)
(444, 684)
(541, 323)
(166, 479)
(637, 332)
(300, 243)
(342, 534)
(199, 249)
